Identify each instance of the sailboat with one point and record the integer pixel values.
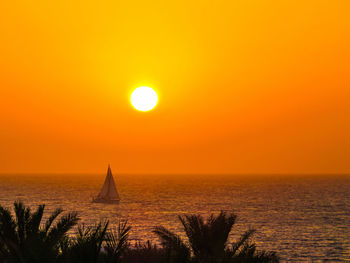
(108, 193)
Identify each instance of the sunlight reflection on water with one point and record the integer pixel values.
(302, 218)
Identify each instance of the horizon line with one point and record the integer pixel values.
(170, 174)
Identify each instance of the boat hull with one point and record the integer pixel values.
(105, 201)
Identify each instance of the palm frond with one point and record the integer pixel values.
(116, 242)
(52, 218)
(62, 227)
(8, 236)
(102, 234)
(243, 240)
(7, 224)
(35, 220)
(86, 246)
(208, 239)
(266, 257)
(21, 213)
(176, 249)
(167, 238)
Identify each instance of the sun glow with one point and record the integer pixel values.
(144, 98)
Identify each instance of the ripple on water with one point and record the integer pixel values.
(302, 218)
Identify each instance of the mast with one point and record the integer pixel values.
(109, 177)
(112, 189)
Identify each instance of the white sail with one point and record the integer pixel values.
(109, 190)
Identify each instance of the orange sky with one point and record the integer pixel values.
(244, 86)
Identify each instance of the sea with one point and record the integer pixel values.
(304, 218)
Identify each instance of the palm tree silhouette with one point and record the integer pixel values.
(207, 241)
(24, 239)
(86, 246)
(117, 242)
(96, 244)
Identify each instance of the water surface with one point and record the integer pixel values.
(303, 218)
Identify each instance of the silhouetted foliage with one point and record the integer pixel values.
(145, 253)
(208, 242)
(248, 253)
(175, 249)
(117, 243)
(86, 246)
(25, 239)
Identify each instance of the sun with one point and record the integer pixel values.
(144, 98)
